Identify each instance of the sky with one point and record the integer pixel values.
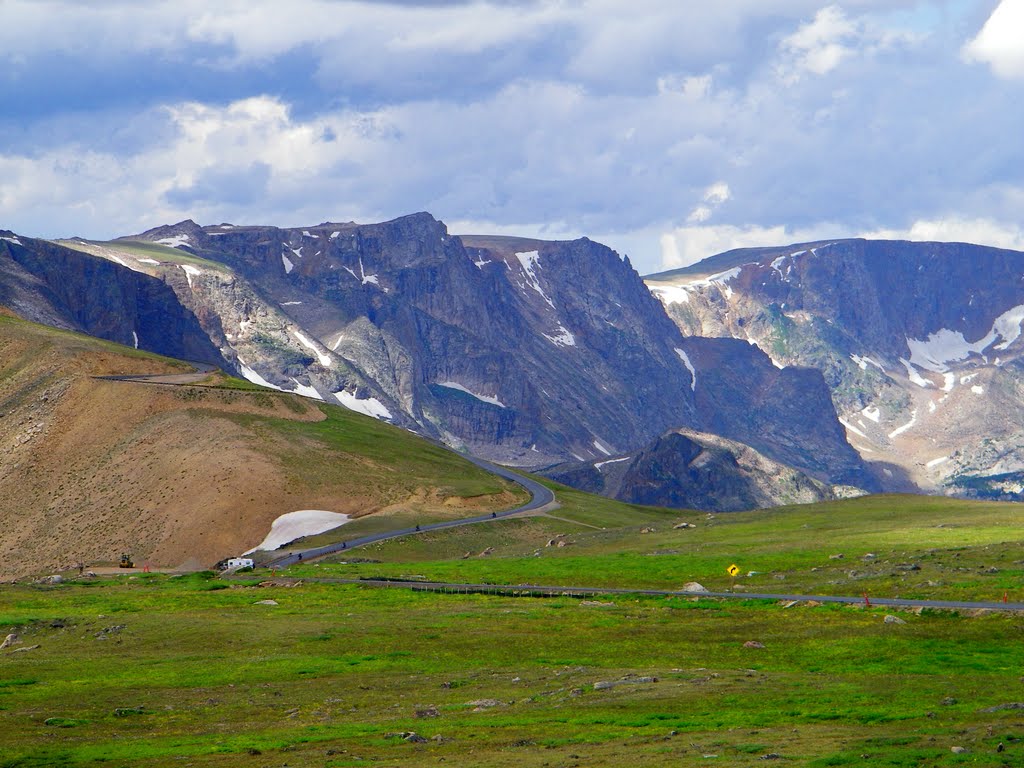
(669, 129)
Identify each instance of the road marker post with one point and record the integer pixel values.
(867, 602)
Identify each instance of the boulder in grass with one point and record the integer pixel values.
(693, 586)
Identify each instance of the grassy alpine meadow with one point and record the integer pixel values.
(158, 670)
(885, 546)
(172, 671)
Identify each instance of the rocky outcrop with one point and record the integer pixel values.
(694, 470)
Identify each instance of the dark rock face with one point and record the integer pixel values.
(693, 470)
(50, 284)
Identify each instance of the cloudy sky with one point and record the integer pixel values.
(669, 129)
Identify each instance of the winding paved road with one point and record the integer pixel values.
(541, 497)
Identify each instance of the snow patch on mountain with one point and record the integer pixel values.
(250, 375)
(190, 272)
(11, 239)
(600, 464)
(946, 346)
(371, 406)
(602, 448)
(865, 361)
(872, 413)
(325, 359)
(670, 294)
(175, 241)
(852, 428)
(288, 266)
(563, 337)
(900, 430)
(914, 376)
(529, 260)
(306, 391)
(461, 388)
(689, 366)
(935, 462)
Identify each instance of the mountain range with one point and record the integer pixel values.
(757, 377)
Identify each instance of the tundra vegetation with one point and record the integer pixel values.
(160, 670)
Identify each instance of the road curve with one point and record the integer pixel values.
(545, 590)
(540, 495)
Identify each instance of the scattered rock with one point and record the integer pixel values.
(958, 750)
(563, 543)
(26, 648)
(431, 711)
(771, 756)
(646, 530)
(481, 704)
(596, 604)
(838, 556)
(991, 569)
(55, 579)
(414, 738)
(869, 556)
(1003, 707)
(266, 602)
(486, 552)
(789, 603)
(949, 701)
(693, 586)
(129, 711)
(10, 640)
(627, 680)
(890, 619)
(753, 644)
(677, 526)
(908, 567)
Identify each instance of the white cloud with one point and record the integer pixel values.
(1000, 43)
(819, 45)
(979, 231)
(687, 245)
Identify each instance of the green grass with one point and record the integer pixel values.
(161, 671)
(923, 547)
(141, 248)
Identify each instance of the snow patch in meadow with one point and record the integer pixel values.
(295, 525)
(460, 388)
(371, 406)
(148, 261)
(325, 359)
(689, 366)
(872, 413)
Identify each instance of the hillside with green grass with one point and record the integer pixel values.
(156, 671)
(185, 475)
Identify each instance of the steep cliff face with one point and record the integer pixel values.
(919, 344)
(50, 284)
(526, 351)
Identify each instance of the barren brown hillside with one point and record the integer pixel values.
(186, 474)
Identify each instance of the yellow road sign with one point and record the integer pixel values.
(733, 569)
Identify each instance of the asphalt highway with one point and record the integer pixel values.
(541, 496)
